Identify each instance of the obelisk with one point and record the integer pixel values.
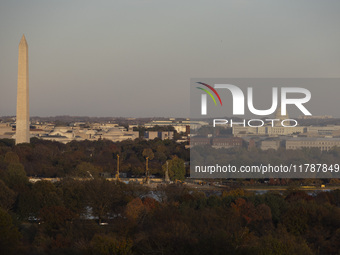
(23, 118)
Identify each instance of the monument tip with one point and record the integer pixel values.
(23, 39)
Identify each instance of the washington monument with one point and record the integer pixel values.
(23, 117)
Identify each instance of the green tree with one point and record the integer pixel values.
(15, 176)
(86, 169)
(7, 196)
(46, 194)
(176, 168)
(73, 195)
(105, 244)
(9, 234)
(11, 157)
(148, 153)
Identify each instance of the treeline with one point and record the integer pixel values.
(102, 217)
(52, 159)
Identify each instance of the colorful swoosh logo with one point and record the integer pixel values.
(209, 93)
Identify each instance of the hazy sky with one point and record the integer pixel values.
(135, 58)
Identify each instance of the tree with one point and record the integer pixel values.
(11, 157)
(176, 168)
(55, 217)
(134, 209)
(15, 176)
(45, 194)
(85, 170)
(9, 235)
(73, 195)
(148, 153)
(105, 244)
(282, 243)
(102, 196)
(7, 196)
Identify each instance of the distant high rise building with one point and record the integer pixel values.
(22, 120)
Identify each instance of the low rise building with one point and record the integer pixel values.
(324, 144)
(6, 130)
(241, 131)
(217, 142)
(199, 141)
(270, 144)
(226, 142)
(68, 134)
(150, 135)
(181, 126)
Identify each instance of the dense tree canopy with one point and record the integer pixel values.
(97, 216)
(51, 159)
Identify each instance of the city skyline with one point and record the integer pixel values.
(136, 58)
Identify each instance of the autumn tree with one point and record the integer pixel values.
(55, 218)
(103, 197)
(135, 209)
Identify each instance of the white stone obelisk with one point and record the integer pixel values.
(23, 117)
